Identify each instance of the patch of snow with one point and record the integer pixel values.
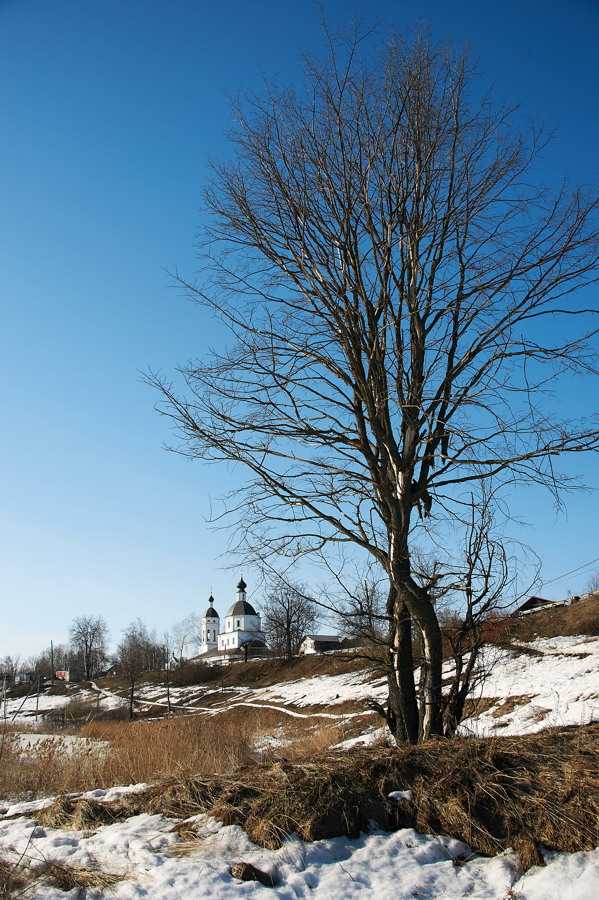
(398, 866)
(375, 736)
(558, 685)
(401, 795)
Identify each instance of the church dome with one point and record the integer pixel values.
(211, 613)
(242, 608)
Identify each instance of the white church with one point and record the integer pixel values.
(242, 630)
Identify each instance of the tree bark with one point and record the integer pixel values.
(402, 716)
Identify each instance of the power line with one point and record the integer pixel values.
(573, 572)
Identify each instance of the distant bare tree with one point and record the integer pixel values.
(593, 584)
(132, 656)
(362, 616)
(183, 633)
(53, 658)
(401, 299)
(10, 665)
(288, 614)
(89, 636)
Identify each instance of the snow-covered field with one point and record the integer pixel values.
(555, 682)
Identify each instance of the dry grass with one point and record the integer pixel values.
(510, 704)
(16, 879)
(492, 793)
(144, 751)
(48, 770)
(12, 881)
(150, 750)
(581, 617)
(66, 877)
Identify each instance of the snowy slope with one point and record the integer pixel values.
(547, 682)
(555, 683)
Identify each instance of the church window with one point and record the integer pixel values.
(238, 623)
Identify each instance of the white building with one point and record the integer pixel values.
(210, 628)
(242, 627)
(320, 643)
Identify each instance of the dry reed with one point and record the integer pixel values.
(145, 751)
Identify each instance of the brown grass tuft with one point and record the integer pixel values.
(16, 879)
(77, 814)
(67, 878)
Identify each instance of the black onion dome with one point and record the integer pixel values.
(242, 608)
(211, 613)
(242, 585)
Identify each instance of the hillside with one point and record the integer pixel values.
(581, 617)
(286, 768)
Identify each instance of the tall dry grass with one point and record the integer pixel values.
(146, 751)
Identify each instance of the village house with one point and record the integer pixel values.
(320, 643)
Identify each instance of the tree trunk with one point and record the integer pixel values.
(407, 598)
(402, 715)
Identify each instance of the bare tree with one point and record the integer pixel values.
(475, 593)
(10, 666)
(183, 633)
(593, 584)
(360, 614)
(89, 636)
(288, 615)
(403, 303)
(52, 658)
(133, 654)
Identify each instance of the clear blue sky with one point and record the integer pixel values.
(108, 110)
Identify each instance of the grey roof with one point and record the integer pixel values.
(242, 585)
(242, 608)
(331, 638)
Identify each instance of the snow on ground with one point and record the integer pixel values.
(30, 710)
(381, 866)
(555, 684)
(555, 681)
(65, 744)
(324, 690)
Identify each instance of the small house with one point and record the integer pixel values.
(319, 643)
(25, 678)
(532, 605)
